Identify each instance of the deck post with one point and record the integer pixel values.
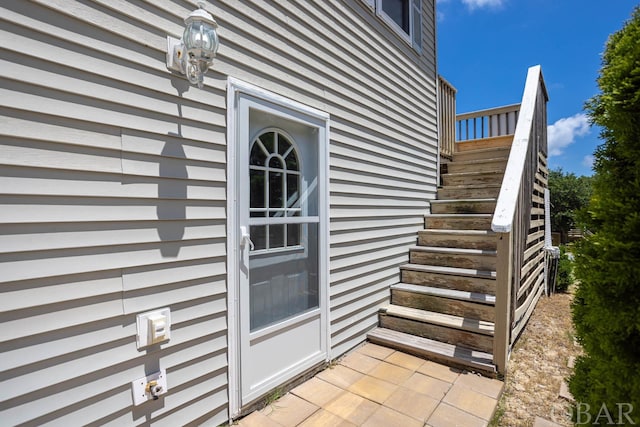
(504, 277)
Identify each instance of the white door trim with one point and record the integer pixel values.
(236, 87)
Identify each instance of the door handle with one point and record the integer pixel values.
(245, 238)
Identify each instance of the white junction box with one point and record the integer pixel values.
(150, 387)
(153, 327)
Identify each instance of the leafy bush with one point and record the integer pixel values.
(565, 270)
(606, 308)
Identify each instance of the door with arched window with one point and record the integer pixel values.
(282, 242)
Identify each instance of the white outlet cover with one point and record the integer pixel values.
(138, 387)
(144, 338)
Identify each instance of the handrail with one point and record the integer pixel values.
(487, 123)
(447, 117)
(507, 198)
(519, 221)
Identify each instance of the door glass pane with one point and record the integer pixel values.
(292, 161)
(267, 140)
(276, 182)
(258, 235)
(258, 156)
(276, 235)
(285, 284)
(283, 144)
(293, 234)
(292, 189)
(256, 186)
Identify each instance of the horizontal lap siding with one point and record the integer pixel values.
(113, 189)
(113, 202)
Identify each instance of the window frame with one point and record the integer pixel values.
(414, 37)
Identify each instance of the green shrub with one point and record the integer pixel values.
(565, 270)
(606, 307)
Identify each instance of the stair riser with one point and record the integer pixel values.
(467, 156)
(475, 179)
(485, 166)
(449, 281)
(485, 144)
(457, 223)
(455, 193)
(456, 241)
(439, 333)
(478, 262)
(466, 309)
(463, 207)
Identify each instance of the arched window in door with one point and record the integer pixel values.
(274, 175)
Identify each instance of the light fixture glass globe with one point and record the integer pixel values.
(200, 36)
(201, 43)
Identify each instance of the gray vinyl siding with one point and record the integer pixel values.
(113, 190)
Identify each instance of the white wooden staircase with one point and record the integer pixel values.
(443, 307)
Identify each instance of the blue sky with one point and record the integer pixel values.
(486, 46)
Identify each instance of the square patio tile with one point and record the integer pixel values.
(257, 419)
(471, 401)
(375, 350)
(340, 376)
(405, 360)
(352, 408)
(428, 386)
(289, 410)
(317, 391)
(391, 373)
(412, 403)
(441, 372)
(324, 418)
(386, 417)
(373, 389)
(487, 386)
(360, 362)
(448, 416)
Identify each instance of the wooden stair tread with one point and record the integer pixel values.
(431, 349)
(461, 186)
(474, 297)
(447, 320)
(458, 232)
(453, 251)
(460, 215)
(462, 201)
(454, 271)
(479, 161)
(487, 172)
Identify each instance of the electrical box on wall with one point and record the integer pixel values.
(153, 327)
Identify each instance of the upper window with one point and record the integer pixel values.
(404, 16)
(398, 11)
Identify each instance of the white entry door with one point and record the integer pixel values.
(282, 243)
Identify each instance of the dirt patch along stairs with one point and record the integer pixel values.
(443, 307)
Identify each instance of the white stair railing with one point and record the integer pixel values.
(446, 117)
(519, 220)
(489, 123)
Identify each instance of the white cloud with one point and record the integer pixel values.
(564, 132)
(587, 161)
(478, 4)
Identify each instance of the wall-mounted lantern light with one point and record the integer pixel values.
(193, 54)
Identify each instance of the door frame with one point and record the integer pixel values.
(235, 88)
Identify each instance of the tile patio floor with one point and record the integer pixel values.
(378, 386)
